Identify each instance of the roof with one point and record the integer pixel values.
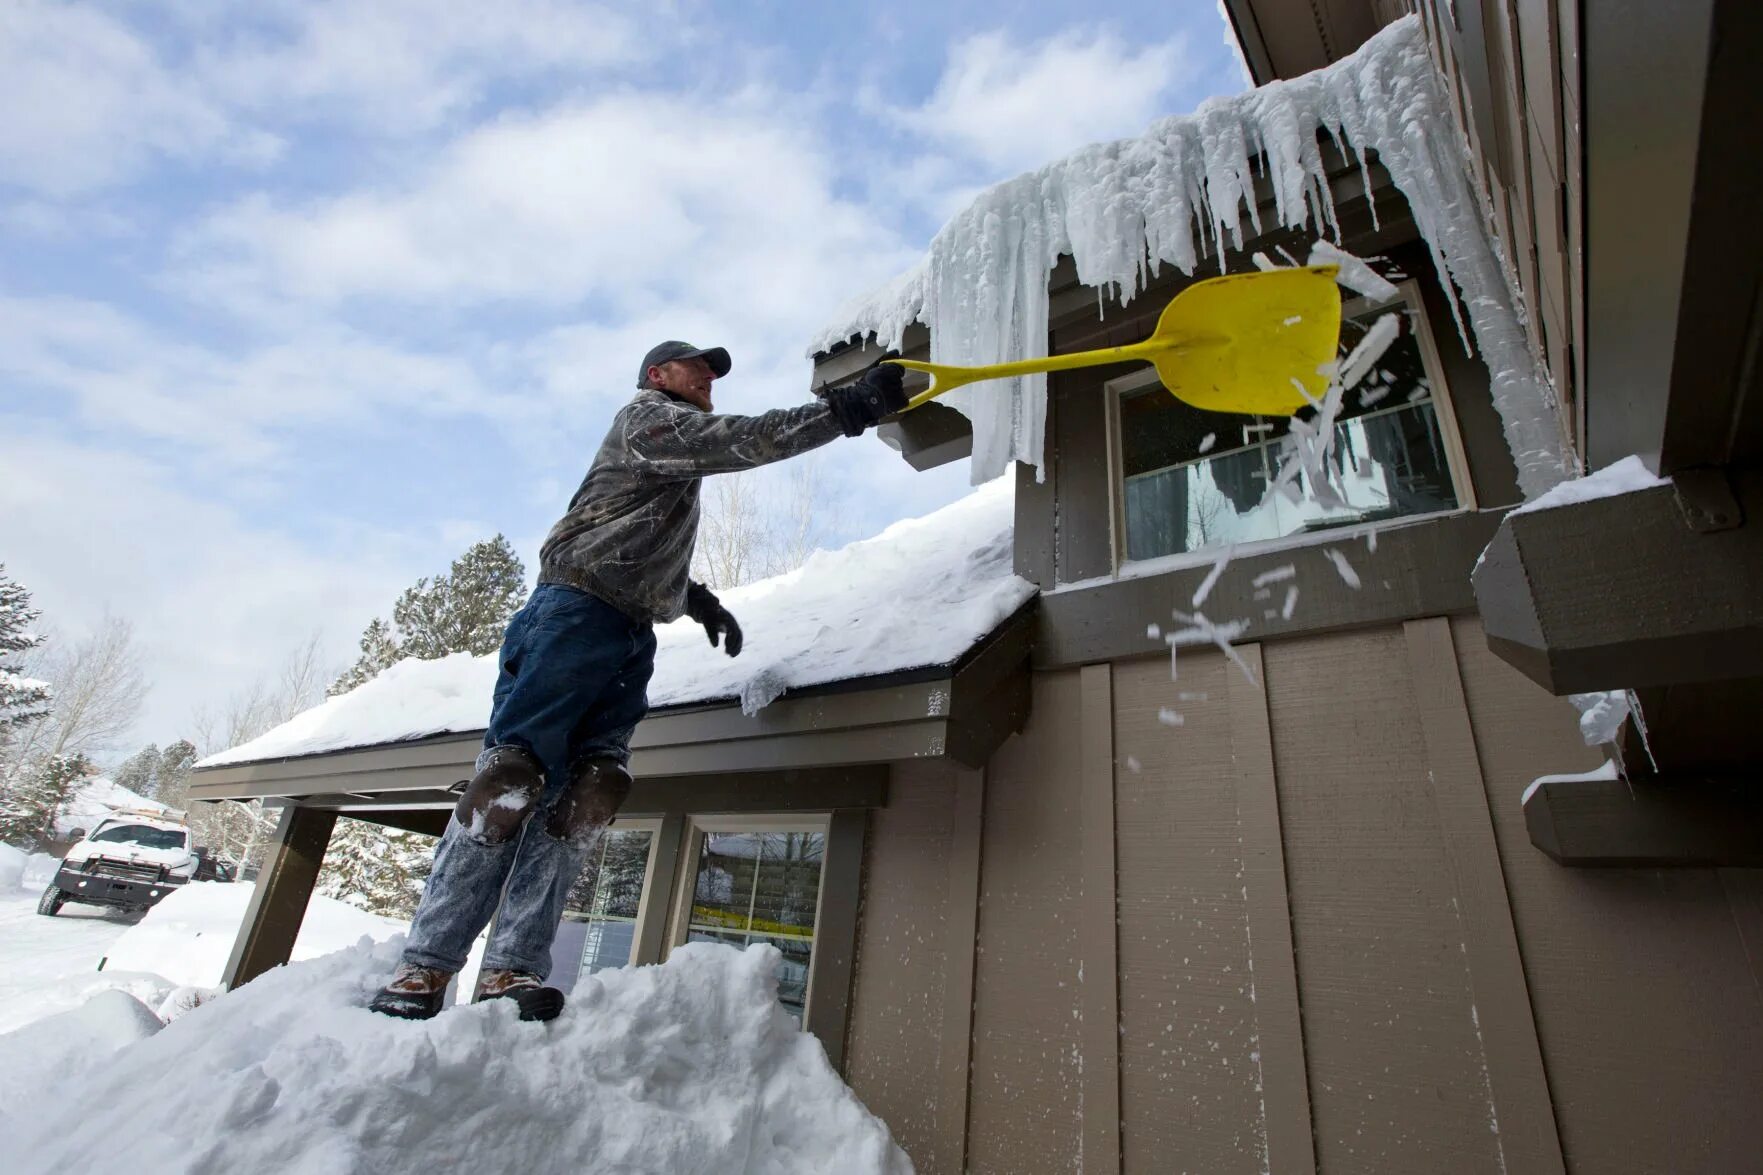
(922, 594)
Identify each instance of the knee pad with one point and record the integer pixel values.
(593, 799)
(500, 796)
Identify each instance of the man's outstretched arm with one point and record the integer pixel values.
(675, 441)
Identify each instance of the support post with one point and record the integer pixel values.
(835, 930)
(278, 903)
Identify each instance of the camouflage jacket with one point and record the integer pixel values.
(630, 529)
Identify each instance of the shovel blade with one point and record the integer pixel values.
(1247, 342)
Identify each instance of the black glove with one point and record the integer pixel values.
(880, 393)
(703, 606)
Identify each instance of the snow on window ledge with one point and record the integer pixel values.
(1602, 773)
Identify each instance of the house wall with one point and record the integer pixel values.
(1337, 949)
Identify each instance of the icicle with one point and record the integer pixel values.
(1182, 192)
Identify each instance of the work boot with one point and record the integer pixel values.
(415, 993)
(528, 991)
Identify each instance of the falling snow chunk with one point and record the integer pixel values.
(1205, 588)
(1207, 441)
(1371, 348)
(1278, 573)
(1153, 631)
(1169, 717)
(1354, 273)
(1341, 565)
(1132, 764)
(1182, 193)
(1291, 604)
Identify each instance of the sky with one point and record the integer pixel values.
(300, 298)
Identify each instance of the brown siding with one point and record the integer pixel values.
(898, 999)
(1450, 978)
(1647, 1005)
(1397, 1074)
(1188, 1033)
(1026, 1111)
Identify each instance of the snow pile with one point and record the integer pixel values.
(12, 863)
(1182, 191)
(67, 1049)
(97, 800)
(691, 1066)
(187, 937)
(921, 593)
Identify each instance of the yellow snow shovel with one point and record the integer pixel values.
(1244, 343)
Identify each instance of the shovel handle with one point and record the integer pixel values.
(946, 377)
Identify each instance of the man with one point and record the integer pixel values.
(575, 666)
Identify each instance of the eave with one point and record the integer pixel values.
(824, 747)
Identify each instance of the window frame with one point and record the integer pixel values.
(645, 907)
(686, 874)
(1407, 298)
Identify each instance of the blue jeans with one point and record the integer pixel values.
(574, 680)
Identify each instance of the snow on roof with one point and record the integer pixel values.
(921, 593)
(290, 1072)
(99, 799)
(1181, 191)
(1627, 476)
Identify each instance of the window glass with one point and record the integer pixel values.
(761, 887)
(600, 914)
(144, 835)
(1195, 479)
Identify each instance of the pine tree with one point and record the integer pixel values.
(139, 772)
(466, 610)
(462, 611)
(30, 801)
(22, 699)
(379, 649)
(375, 868)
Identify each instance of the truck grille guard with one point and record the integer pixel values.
(124, 870)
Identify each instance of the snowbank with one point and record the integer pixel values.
(187, 937)
(1183, 191)
(922, 592)
(68, 1048)
(12, 863)
(691, 1066)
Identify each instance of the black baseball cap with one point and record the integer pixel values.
(667, 352)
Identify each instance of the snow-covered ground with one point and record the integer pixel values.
(50, 965)
(691, 1066)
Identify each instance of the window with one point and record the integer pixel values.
(599, 928)
(1193, 480)
(760, 883)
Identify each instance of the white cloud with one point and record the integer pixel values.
(1014, 106)
(217, 603)
(88, 103)
(396, 66)
(120, 375)
(631, 200)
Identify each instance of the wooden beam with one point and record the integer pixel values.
(1622, 592)
(278, 901)
(660, 875)
(1284, 1076)
(1648, 823)
(835, 931)
(1518, 1087)
(961, 938)
(1099, 997)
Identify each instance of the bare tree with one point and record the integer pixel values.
(98, 689)
(237, 830)
(759, 523)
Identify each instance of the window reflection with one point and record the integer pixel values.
(761, 887)
(1196, 480)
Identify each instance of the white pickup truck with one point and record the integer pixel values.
(130, 860)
